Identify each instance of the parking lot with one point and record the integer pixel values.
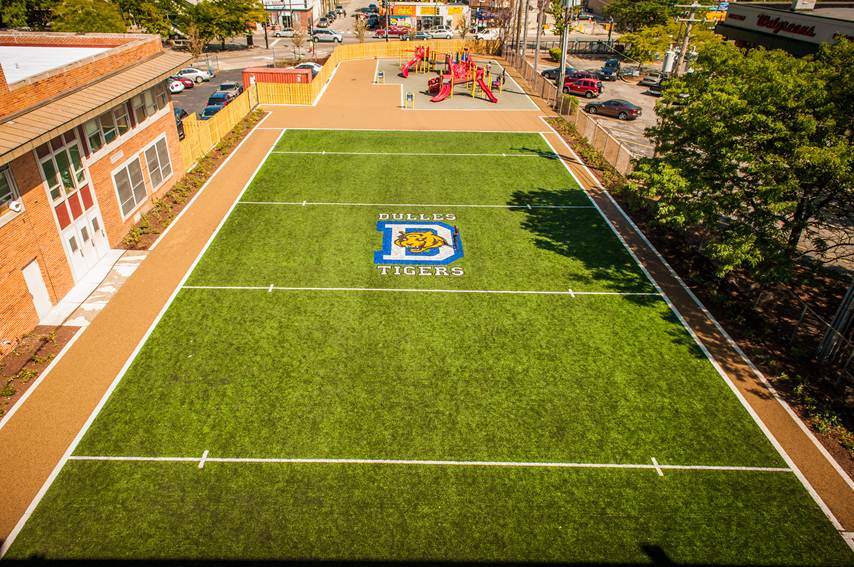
(195, 99)
(630, 133)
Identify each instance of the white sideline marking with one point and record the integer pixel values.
(271, 288)
(463, 131)
(40, 379)
(415, 290)
(304, 203)
(210, 179)
(771, 438)
(203, 459)
(76, 441)
(441, 463)
(758, 373)
(434, 154)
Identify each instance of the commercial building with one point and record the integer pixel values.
(297, 14)
(87, 141)
(427, 15)
(799, 27)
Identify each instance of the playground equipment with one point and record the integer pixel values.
(464, 71)
(420, 55)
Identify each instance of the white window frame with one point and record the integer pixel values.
(51, 157)
(144, 156)
(123, 167)
(7, 214)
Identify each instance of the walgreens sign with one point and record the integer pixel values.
(796, 25)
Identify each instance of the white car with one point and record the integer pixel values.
(321, 35)
(176, 87)
(441, 32)
(196, 75)
(313, 67)
(287, 32)
(487, 35)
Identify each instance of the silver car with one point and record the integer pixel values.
(196, 75)
(441, 33)
(286, 32)
(321, 35)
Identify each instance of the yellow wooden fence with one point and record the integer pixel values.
(307, 93)
(200, 136)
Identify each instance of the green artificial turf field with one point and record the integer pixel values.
(532, 400)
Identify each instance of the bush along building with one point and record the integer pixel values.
(87, 142)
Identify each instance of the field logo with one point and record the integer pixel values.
(419, 243)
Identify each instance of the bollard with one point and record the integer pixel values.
(380, 77)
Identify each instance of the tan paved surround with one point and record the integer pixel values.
(37, 436)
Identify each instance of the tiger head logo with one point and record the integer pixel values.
(420, 241)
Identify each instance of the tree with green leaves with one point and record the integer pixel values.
(557, 10)
(649, 43)
(234, 16)
(99, 16)
(33, 14)
(632, 15)
(153, 16)
(753, 153)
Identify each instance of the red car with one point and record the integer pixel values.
(188, 83)
(587, 87)
(392, 31)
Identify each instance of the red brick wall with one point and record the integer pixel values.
(100, 172)
(29, 93)
(31, 235)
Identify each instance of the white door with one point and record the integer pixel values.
(35, 284)
(85, 242)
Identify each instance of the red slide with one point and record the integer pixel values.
(444, 93)
(486, 90)
(408, 66)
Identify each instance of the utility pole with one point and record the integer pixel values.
(681, 57)
(541, 11)
(564, 47)
(525, 30)
(518, 25)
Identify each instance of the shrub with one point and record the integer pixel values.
(554, 54)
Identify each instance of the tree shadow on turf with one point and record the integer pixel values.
(585, 236)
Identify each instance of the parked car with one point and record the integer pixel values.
(221, 98)
(553, 73)
(285, 32)
(373, 22)
(416, 36)
(651, 79)
(231, 87)
(326, 36)
(175, 86)
(616, 107)
(582, 75)
(589, 88)
(392, 31)
(612, 63)
(604, 74)
(323, 22)
(330, 16)
(487, 35)
(196, 74)
(441, 32)
(187, 82)
(180, 127)
(313, 67)
(339, 9)
(210, 110)
(180, 113)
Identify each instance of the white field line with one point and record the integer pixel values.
(326, 85)
(772, 439)
(41, 377)
(414, 290)
(440, 463)
(210, 179)
(461, 131)
(304, 203)
(758, 373)
(419, 154)
(76, 441)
